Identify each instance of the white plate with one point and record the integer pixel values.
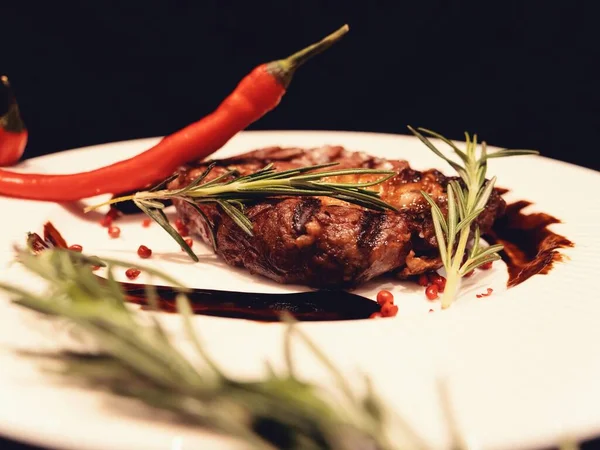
(520, 365)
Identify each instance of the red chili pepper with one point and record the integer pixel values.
(13, 134)
(258, 93)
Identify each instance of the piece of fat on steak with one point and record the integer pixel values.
(323, 242)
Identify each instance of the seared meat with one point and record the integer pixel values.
(323, 242)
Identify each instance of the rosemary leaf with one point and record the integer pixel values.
(211, 227)
(486, 251)
(462, 201)
(476, 242)
(503, 153)
(340, 381)
(299, 171)
(217, 180)
(160, 218)
(343, 172)
(484, 195)
(237, 216)
(428, 143)
(114, 289)
(467, 221)
(435, 209)
(466, 268)
(148, 203)
(361, 185)
(287, 352)
(458, 151)
(164, 183)
(452, 219)
(356, 196)
(199, 179)
(279, 190)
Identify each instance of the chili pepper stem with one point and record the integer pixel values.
(284, 69)
(5, 82)
(11, 121)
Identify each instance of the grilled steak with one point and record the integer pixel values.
(323, 242)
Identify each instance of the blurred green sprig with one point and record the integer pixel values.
(138, 359)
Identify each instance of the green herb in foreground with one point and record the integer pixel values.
(137, 359)
(465, 204)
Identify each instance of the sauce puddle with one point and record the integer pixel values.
(530, 248)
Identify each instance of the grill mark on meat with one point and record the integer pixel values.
(370, 229)
(303, 212)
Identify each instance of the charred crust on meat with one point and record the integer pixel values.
(370, 229)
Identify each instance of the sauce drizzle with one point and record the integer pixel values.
(304, 306)
(530, 248)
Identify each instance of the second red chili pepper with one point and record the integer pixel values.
(258, 93)
(13, 134)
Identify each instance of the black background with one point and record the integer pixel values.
(521, 74)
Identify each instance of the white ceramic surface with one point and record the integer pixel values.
(520, 366)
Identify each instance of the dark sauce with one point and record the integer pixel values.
(530, 248)
(304, 306)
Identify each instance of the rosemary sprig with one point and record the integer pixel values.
(137, 359)
(466, 202)
(230, 192)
